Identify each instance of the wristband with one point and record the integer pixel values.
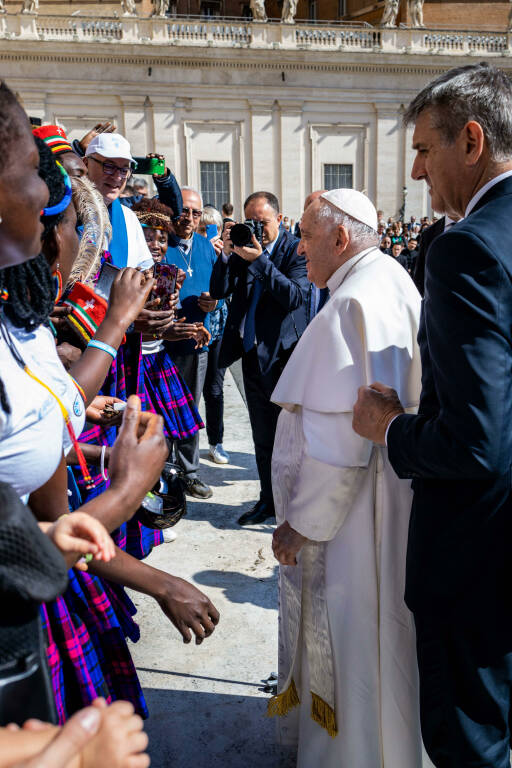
(102, 462)
(104, 347)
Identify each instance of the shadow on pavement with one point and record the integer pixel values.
(231, 731)
(240, 587)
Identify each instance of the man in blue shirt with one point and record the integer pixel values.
(195, 255)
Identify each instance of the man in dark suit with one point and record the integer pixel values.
(269, 285)
(458, 449)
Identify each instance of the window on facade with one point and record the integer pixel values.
(338, 175)
(313, 9)
(215, 183)
(342, 8)
(210, 8)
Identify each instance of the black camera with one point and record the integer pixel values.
(241, 234)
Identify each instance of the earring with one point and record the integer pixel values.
(1, 218)
(57, 282)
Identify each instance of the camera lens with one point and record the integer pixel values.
(241, 235)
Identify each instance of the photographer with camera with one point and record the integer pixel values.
(260, 267)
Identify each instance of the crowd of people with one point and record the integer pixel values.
(120, 309)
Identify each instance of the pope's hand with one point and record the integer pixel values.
(286, 543)
(376, 406)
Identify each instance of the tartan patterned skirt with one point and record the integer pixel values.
(87, 652)
(126, 376)
(165, 392)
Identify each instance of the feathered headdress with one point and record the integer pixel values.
(93, 216)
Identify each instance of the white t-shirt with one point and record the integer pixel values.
(139, 254)
(34, 435)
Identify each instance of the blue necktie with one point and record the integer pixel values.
(250, 318)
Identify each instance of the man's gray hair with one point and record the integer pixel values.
(191, 189)
(212, 216)
(358, 231)
(476, 92)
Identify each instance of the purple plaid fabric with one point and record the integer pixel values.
(166, 393)
(87, 650)
(126, 376)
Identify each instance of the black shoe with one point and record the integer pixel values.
(195, 487)
(258, 514)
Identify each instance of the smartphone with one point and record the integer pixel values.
(211, 231)
(105, 279)
(150, 165)
(165, 275)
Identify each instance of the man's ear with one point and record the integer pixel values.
(279, 218)
(342, 239)
(474, 142)
(51, 248)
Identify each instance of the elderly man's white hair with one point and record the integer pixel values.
(196, 191)
(358, 232)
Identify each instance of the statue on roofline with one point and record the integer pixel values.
(160, 8)
(129, 8)
(390, 13)
(30, 6)
(258, 10)
(289, 11)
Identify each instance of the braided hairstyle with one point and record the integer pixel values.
(11, 117)
(154, 214)
(30, 285)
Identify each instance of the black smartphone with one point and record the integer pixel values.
(105, 279)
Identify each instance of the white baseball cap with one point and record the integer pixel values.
(353, 203)
(110, 145)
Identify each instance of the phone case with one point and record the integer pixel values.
(165, 275)
(106, 277)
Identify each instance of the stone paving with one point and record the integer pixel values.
(206, 706)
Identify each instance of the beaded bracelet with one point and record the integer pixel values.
(104, 347)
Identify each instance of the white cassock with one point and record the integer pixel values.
(346, 637)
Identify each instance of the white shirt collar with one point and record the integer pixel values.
(337, 277)
(481, 192)
(186, 245)
(270, 247)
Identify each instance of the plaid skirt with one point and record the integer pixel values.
(165, 392)
(86, 630)
(87, 652)
(126, 376)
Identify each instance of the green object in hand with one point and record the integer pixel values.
(150, 165)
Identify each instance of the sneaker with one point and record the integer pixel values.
(169, 535)
(218, 454)
(195, 487)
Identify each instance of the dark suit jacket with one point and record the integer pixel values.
(426, 239)
(458, 449)
(281, 314)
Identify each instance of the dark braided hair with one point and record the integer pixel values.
(150, 212)
(30, 285)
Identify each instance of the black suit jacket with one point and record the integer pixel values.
(281, 314)
(427, 237)
(458, 449)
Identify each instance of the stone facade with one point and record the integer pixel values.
(277, 102)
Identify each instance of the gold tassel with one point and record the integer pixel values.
(281, 704)
(323, 714)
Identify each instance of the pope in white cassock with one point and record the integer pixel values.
(348, 684)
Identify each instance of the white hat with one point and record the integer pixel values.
(110, 145)
(353, 203)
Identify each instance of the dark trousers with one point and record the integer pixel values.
(263, 417)
(213, 393)
(193, 370)
(465, 664)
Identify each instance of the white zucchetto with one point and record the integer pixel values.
(353, 203)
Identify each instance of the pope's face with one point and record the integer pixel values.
(320, 244)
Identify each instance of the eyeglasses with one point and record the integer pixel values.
(110, 169)
(185, 213)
